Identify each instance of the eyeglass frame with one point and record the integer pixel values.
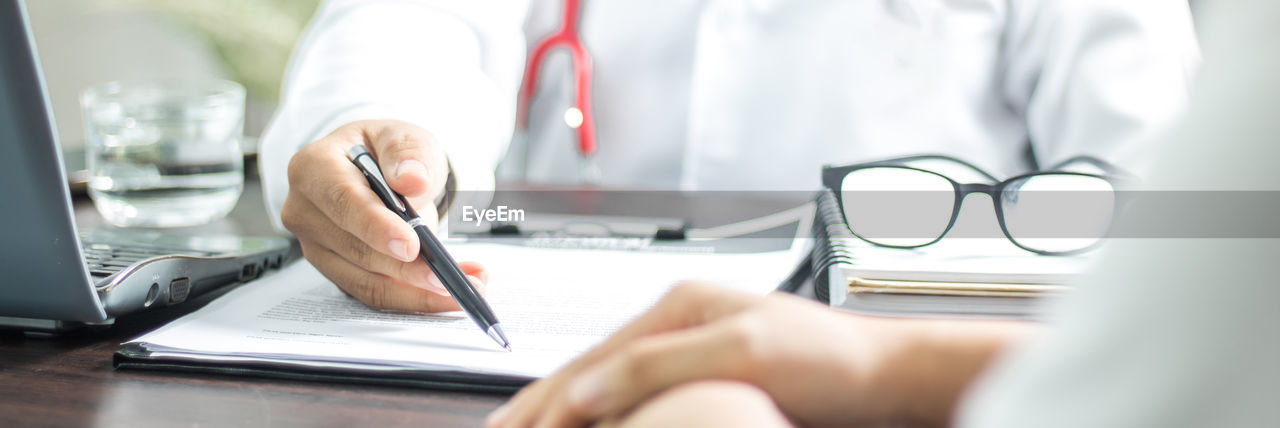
(833, 179)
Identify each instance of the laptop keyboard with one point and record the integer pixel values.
(107, 259)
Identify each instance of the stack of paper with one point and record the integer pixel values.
(971, 276)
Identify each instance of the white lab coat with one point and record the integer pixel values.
(745, 95)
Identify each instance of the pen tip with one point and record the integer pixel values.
(495, 332)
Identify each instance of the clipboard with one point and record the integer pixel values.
(351, 363)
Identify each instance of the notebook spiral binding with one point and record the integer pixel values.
(831, 243)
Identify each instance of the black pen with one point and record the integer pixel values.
(433, 251)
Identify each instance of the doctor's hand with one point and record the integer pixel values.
(350, 236)
(802, 361)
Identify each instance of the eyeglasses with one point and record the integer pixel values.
(910, 203)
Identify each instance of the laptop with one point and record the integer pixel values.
(56, 277)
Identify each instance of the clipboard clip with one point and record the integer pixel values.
(578, 226)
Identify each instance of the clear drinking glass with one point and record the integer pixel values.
(164, 153)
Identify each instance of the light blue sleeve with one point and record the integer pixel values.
(1174, 332)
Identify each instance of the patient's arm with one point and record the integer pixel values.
(818, 366)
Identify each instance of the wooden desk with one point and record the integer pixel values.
(68, 381)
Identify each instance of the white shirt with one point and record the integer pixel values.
(745, 95)
(1175, 332)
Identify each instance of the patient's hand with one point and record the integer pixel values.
(347, 233)
(819, 366)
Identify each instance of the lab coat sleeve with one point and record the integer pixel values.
(1098, 77)
(450, 67)
(1175, 332)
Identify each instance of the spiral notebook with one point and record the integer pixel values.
(965, 277)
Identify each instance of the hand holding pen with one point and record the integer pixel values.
(347, 233)
(433, 251)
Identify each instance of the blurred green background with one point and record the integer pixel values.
(252, 38)
(85, 42)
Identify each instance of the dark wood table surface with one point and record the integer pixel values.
(69, 381)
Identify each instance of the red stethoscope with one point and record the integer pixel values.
(578, 116)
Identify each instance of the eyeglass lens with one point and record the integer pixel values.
(1057, 212)
(897, 207)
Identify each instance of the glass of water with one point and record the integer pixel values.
(164, 153)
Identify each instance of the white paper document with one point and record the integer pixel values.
(553, 304)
